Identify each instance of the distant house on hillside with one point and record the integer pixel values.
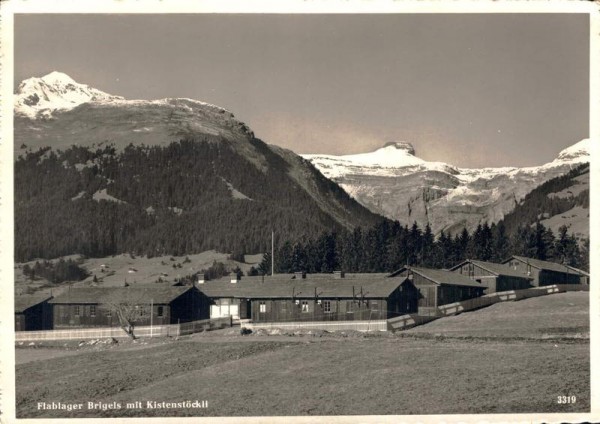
(313, 297)
(33, 313)
(96, 307)
(544, 273)
(438, 287)
(496, 277)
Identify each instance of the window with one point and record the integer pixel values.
(262, 307)
(161, 311)
(92, 310)
(327, 306)
(76, 311)
(471, 270)
(108, 313)
(374, 305)
(350, 307)
(305, 306)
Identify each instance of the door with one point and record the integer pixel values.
(234, 311)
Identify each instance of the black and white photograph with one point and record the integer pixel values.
(373, 211)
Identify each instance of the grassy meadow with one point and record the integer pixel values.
(513, 357)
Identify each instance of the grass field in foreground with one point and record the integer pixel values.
(306, 375)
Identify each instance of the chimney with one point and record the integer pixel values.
(300, 275)
(338, 274)
(235, 279)
(201, 281)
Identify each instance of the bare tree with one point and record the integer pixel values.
(130, 310)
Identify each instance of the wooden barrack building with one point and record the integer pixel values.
(96, 307)
(33, 313)
(315, 297)
(495, 277)
(544, 273)
(439, 287)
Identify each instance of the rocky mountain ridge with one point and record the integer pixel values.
(394, 182)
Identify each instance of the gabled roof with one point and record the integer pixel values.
(24, 302)
(447, 278)
(578, 271)
(283, 286)
(539, 264)
(494, 268)
(116, 295)
(441, 277)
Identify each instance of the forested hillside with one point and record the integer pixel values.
(192, 195)
(552, 198)
(387, 247)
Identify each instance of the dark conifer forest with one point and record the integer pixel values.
(196, 195)
(189, 196)
(387, 247)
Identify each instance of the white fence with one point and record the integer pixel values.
(173, 330)
(377, 325)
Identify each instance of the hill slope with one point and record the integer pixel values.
(561, 315)
(99, 175)
(561, 201)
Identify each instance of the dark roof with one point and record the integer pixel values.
(537, 263)
(24, 302)
(577, 270)
(283, 286)
(141, 295)
(494, 268)
(444, 277)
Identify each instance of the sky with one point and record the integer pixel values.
(472, 90)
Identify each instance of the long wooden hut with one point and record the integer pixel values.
(584, 276)
(98, 307)
(32, 312)
(544, 273)
(320, 297)
(439, 287)
(495, 277)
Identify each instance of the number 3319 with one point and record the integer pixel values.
(566, 399)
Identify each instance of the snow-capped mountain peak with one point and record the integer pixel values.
(394, 182)
(67, 112)
(391, 155)
(55, 91)
(393, 159)
(578, 152)
(399, 145)
(58, 78)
